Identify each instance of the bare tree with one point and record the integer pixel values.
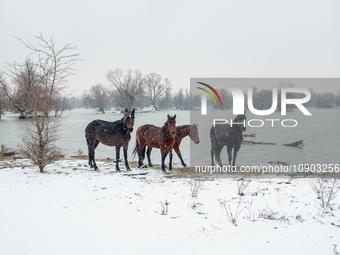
(325, 100)
(50, 70)
(127, 87)
(167, 96)
(195, 101)
(97, 98)
(262, 99)
(157, 92)
(226, 98)
(25, 81)
(337, 100)
(59, 104)
(3, 100)
(182, 99)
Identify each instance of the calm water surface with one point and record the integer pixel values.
(73, 124)
(320, 132)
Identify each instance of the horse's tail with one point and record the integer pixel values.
(136, 149)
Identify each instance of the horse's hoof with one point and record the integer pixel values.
(150, 165)
(128, 169)
(232, 170)
(118, 170)
(184, 165)
(163, 170)
(170, 170)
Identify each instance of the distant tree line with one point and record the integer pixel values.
(182, 99)
(125, 89)
(130, 89)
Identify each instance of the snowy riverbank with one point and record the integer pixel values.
(74, 210)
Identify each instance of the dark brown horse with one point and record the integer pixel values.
(181, 132)
(111, 134)
(225, 135)
(157, 137)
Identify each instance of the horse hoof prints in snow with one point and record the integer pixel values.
(111, 134)
(156, 137)
(224, 135)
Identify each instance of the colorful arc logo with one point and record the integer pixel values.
(209, 93)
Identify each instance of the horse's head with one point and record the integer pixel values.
(129, 119)
(194, 133)
(240, 119)
(170, 124)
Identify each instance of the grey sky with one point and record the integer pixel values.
(182, 39)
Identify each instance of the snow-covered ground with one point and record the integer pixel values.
(74, 210)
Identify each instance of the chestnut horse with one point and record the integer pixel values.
(158, 137)
(111, 134)
(181, 132)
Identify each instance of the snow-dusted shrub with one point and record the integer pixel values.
(233, 213)
(326, 190)
(196, 185)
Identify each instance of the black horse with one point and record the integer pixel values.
(225, 135)
(111, 134)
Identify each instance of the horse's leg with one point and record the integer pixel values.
(177, 150)
(213, 146)
(93, 160)
(117, 157)
(170, 160)
(218, 149)
(148, 154)
(91, 147)
(164, 153)
(212, 153)
(141, 152)
(229, 149)
(89, 152)
(236, 149)
(125, 148)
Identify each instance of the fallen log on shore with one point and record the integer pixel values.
(298, 144)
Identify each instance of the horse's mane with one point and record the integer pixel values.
(237, 118)
(118, 122)
(185, 126)
(164, 126)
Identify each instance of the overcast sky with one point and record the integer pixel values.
(182, 39)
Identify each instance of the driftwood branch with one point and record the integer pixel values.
(298, 144)
(249, 135)
(251, 142)
(278, 162)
